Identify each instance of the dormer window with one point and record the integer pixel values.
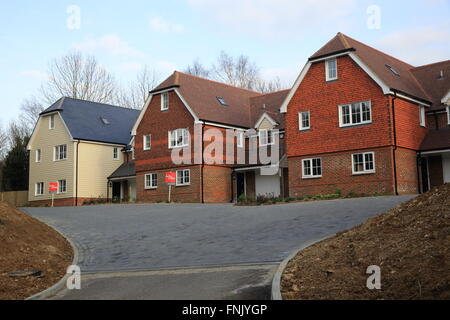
(331, 69)
(165, 101)
(222, 101)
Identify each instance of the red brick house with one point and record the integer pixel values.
(178, 116)
(362, 121)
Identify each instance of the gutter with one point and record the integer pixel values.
(76, 176)
(394, 160)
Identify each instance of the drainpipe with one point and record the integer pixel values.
(395, 145)
(202, 166)
(419, 176)
(76, 176)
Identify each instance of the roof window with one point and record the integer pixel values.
(222, 101)
(393, 70)
(105, 121)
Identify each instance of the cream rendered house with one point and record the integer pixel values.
(79, 144)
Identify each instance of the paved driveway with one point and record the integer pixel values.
(150, 237)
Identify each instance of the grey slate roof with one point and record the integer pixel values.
(84, 120)
(127, 169)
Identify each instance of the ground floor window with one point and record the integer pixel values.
(312, 168)
(62, 186)
(39, 189)
(363, 163)
(151, 181)
(183, 177)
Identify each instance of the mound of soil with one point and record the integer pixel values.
(28, 244)
(410, 244)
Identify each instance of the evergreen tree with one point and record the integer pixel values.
(15, 169)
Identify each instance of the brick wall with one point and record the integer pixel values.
(337, 174)
(438, 120)
(407, 174)
(409, 132)
(65, 202)
(217, 184)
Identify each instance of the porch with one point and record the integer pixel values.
(434, 168)
(122, 184)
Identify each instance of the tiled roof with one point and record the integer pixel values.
(127, 169)
(420, 82)
(94, 121)
(436, 140)
(243, 107)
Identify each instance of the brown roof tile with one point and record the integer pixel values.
(436, 140)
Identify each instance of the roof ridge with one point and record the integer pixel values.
(430, 64)
(105, 104)
(386, 54)
(217, 82)
(343, 39)
(269, 93)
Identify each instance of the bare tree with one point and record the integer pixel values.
(31, 108)
(80, 77)
(135, 95)
(268, 86)
(197, 69)
(18, 129)
(3, 143)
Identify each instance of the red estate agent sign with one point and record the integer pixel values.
(53, 187)
(171, 177)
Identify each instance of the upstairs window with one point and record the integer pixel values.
(422, 118)
(363, 163)
(164, 101)
(312, 168)
(240, 139)
(178, 138)
(266, 138)
(331, 70)
(116, 154)
(51, 122)
(61, 152)
(355, 113)
(38, 155)
(304, 120)
(147, 142)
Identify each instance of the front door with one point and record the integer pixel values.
(240, 180)
(425, 176)
(116, 191)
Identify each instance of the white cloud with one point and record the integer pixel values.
(35, 74)
(110, 43)
(418, 46)
(130, 66)
(277, 17)
(165, 67)
(159, 24)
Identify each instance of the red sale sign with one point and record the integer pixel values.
(53, 187)
(171, 177)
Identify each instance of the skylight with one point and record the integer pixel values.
(393, 70)
(105, 121)
(222, 101)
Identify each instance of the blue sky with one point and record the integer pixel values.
(278, 35)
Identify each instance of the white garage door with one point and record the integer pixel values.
(446, 167)
(268, 185)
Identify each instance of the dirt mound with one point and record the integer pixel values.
(28, 244)
(410, 243)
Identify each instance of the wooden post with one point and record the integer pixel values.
(170, 190)
(53, 198)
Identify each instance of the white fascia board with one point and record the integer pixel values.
(141, 115)
(402, 96)
(446, 99)
(265, 116)
(30, 143)
(362, 65)
(219, 125)
(187, 105)
(294, 89)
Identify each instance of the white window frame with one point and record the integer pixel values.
(60, 184)
(145, 139)
(164, 101)
(36, 189)
(57, 152)
(116, 154)
(301, 120)
(422, 116)
(365, 171)
(361, 114)
(184, 182)
(448, 115)
(240, 139)
(264, 137)
(38, 156)
(311, 163)
(184, 133)
(51, 122)
(327, 69)
(153, 181)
